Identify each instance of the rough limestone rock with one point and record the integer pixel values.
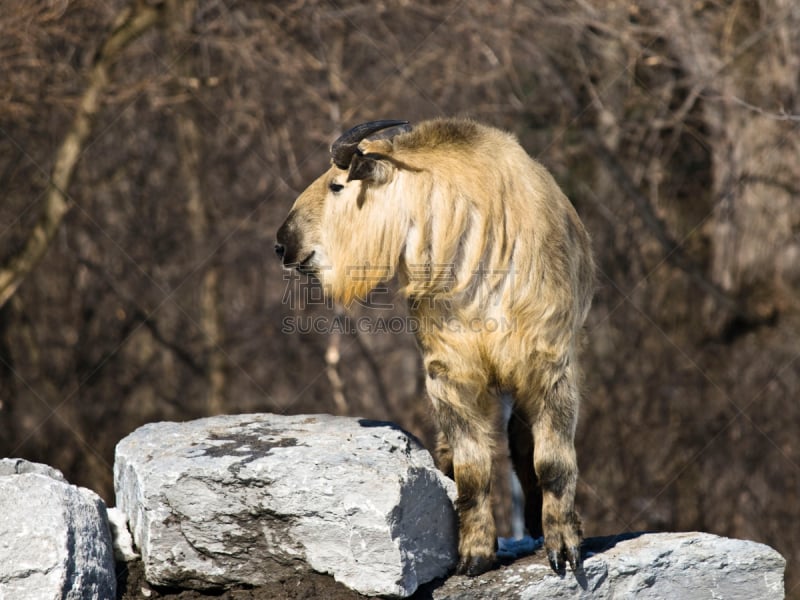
(54, 538)
(645, 566)
(253, 498)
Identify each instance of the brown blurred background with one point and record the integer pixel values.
(149, 150)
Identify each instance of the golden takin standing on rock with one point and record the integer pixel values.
(478, 234)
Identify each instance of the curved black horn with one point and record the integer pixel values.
(342, 149)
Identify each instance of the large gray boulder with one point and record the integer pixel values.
(251, 499)
(644, 566)
(54, 538)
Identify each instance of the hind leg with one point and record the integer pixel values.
(557, 469)
(521, 444)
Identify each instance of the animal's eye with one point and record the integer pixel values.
(335, 187)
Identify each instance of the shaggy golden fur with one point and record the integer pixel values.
(477, 232)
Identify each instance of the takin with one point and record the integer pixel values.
(476, 232)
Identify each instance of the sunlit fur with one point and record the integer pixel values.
(498, 271)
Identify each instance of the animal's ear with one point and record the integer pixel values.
(367, 167)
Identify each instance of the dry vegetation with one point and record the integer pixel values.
(673, 126)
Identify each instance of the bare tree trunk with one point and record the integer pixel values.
(210, 309)
(333, 357)
(211, 322)
(333, 352)
(7, 376)
(134, 20)
(197, 208)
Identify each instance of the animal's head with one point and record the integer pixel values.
(348, 227)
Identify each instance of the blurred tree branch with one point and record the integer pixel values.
(132, 22)
(141, 316)
(780, 115)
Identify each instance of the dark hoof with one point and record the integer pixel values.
(558, 560)
(476, 565)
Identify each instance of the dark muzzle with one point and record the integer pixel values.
(287, 243)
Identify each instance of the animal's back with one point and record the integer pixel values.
(517, 221)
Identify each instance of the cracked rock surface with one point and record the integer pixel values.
(253, 499)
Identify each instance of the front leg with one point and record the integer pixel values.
(461, 413)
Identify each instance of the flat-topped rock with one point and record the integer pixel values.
(250, 499)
